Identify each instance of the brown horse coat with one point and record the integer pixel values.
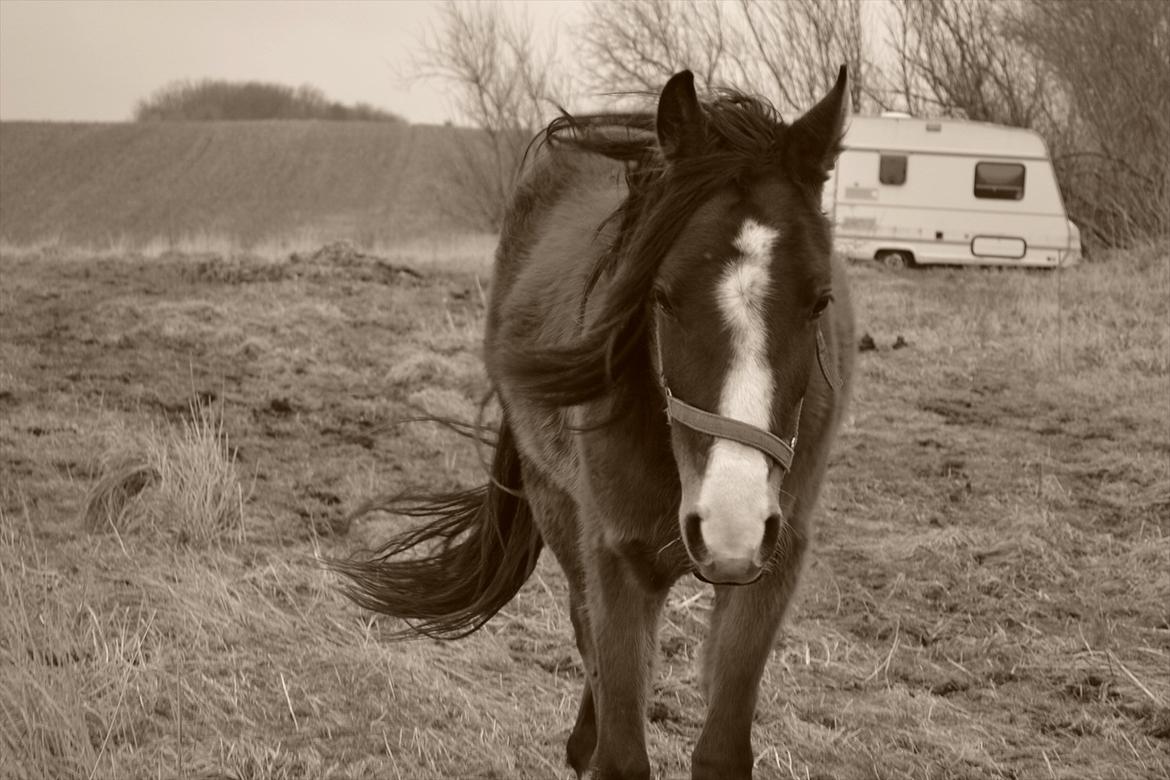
(630, 248)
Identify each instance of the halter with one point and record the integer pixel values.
(717, 425)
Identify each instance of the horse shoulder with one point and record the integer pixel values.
(543, 303)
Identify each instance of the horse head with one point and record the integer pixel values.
(736, 305)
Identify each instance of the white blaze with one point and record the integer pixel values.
(734, 498)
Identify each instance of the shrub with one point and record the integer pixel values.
(211, 100)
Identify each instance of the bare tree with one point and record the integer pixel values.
(637, 46)
(954, 57)
(789, 51)
(505, 84)
(800, 44)
(1111, 64)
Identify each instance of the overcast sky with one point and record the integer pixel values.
(94, 59)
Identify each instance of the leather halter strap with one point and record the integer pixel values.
(727, 428)
(722, 427)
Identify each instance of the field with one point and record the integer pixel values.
(158, 185)
(182, 435)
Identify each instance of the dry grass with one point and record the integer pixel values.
(180, 482)
(987, 598)
(64, 669)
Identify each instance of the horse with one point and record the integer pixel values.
(670, 338)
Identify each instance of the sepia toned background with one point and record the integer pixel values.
(240, 241)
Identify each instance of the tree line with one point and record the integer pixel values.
(1092, 77)
(214, 100)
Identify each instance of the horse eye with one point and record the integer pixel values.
(821, 304)
(663, 302)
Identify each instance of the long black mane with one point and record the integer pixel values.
(744, 139)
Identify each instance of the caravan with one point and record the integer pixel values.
(943, 191)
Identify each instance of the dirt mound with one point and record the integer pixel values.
(339, 259)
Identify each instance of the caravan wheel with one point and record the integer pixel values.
(895, 259)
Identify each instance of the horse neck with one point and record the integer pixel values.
(635, 447)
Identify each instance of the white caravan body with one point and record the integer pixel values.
(945, 191)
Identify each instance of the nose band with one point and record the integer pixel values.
(726, 428)
(722, 427)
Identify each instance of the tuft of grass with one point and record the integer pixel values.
(111, 501)
(182, 480)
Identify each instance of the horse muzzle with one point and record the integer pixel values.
(742, 566)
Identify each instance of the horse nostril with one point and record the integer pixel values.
(771, 537)
(693, 537)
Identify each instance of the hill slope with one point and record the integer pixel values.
(372, 182)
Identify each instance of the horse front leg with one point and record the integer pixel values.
(744, 623)
(623, 616)
(583, 738)
(556, 516)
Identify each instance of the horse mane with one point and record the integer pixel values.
(744, 137)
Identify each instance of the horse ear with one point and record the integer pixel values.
(681, 125)
(815, 138)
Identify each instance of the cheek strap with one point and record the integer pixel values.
(825, 361)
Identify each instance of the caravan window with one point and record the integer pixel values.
(1000, 181)
(892, 169)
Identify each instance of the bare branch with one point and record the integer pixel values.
(637, 46)
(789, 51)
(1110, 125)
(504, 84)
